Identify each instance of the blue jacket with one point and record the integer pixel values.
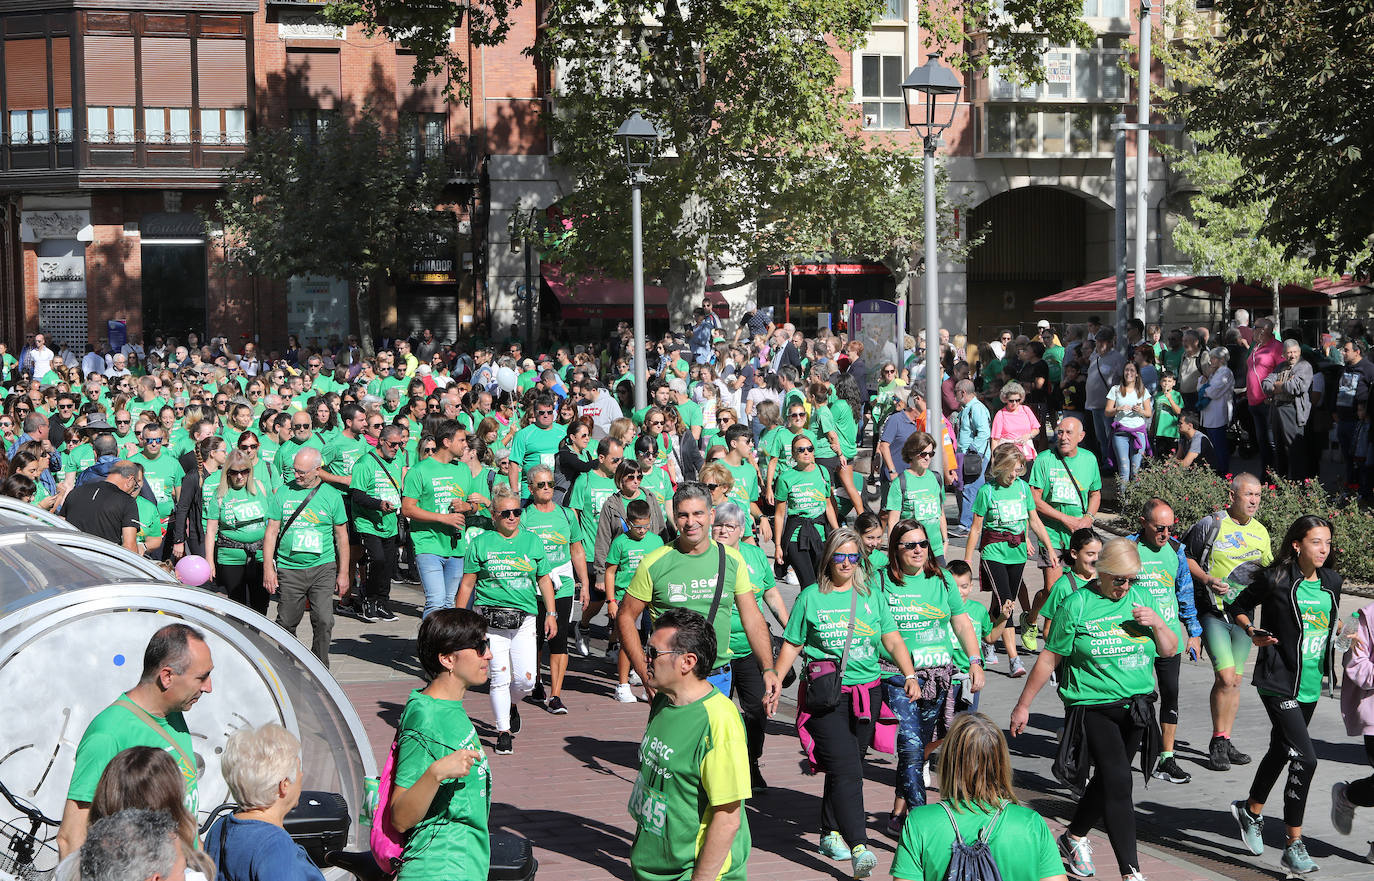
(1183, 586)
(975, 429)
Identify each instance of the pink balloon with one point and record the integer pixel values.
(193, 571)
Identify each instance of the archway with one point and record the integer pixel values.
(1039, 240)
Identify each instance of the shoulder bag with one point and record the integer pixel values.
(825, 678)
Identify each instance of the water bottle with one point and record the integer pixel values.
(1343, 639)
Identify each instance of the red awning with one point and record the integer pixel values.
(1101, 294)
(835, 269)
(597, 296)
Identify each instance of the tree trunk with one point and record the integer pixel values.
(1277, 284)
(686, 283)
(364, 307)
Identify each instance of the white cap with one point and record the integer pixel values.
(1043, 323)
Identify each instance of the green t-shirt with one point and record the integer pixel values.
(745, 490)
(149, 523)
(669, 579)
(1059, 591)
(507, 569)
(822, 423)
(982, 626)
(657, 484)
(588, 496)
(535, 446)
(116, 728)
(921, 498)
(380, 479)
(162, 475)
(626, 554)
(452, 841)
(1314, 610)
(1022, 845)
(1166, 423)
(1051, 475)
(1158, 574)
(778, 445)
(819, 621)
(1006, 509)
(138, 405)
(845, 427)
(761, 578)
(434, 485)
(285, 457)
(341, 454)
(691, 758)
(78, 459)
(559, 531)
(923, 606)
(310, 540)
(1108, 658)
(805, 493)
(242, 518)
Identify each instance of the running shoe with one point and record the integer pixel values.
(555, 705)
(539, 695)
(358, 611)
(989, 655)
(1018, 668)
(1077, 854)
(505, 743)
(1252, 829)
(833, 846)
(515, 723)
(863, 860)
(958, 530)
(381, 610)
(1236, 756)
(1218, 756)
(1296, 861)
(1137, 875)
(1342, 809)
(1030, 634)
(624, 694)
(1168, 769)
(580, 640)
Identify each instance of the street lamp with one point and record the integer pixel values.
(639, 141)
(935, 90)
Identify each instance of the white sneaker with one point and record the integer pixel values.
(634, 678)
(624, 694)
(791, 578)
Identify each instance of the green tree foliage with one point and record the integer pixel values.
(350, 204)
(1289, 92)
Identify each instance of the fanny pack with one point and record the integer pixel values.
(499, 618)
(1012, 539)
(230, 544)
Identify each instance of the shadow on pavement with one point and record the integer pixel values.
(391, 651)
(605, 756)
(597, 844)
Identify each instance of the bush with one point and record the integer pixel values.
(1194, 493)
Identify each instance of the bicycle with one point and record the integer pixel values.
(25, 855)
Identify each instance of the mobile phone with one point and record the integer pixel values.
(1260, 632)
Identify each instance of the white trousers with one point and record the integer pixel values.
(514, 667)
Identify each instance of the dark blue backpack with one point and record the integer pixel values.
(972, 862)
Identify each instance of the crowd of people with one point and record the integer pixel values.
(525, 495)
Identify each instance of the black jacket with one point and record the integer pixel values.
(1274, 590)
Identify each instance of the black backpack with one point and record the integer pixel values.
(973, 862)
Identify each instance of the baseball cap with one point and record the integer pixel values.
(1043, 323)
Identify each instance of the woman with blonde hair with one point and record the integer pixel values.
(236, 521)
(838, 625)
(1108, 634)
(1016, 423)
(976, 794)
(1003, 515)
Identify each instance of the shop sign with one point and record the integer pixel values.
(62, 278)
(307, 26)
(438, 270)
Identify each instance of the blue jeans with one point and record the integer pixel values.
(1346, 429)
(915, 731)
(1102, 432)
(1127, 461)
(440, 577)
(1221, 448)
(722, 678)
(967, 494)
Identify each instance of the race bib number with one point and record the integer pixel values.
(1064, 492)
(306, 542)
(547, 459)
(649, 808)
(158, 487)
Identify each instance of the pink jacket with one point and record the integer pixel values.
(1260, 363)
(1357, 691)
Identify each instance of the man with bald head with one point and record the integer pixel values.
(1226, 550)
(305, 550)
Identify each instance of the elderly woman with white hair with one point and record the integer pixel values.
(1216, 393)
(1287, 388)
(262, 767)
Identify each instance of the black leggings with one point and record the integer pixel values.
(803, 563)
(1291, 745)
(1112, 739)
(746, 681)
(1004, 579)
(841, 738)
(381, 565)
(243, 584)
(1166, 674)
(1361, 792)
(562, 607)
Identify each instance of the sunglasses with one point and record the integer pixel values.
(66, 406)
(248, 448)
(543, 484)
(510, 514)
(797, 415)
(154, 441)
(427, 449)
(652, 653)
(240, 472)
(543, 412)
(800, 450)
(634, 475)
(300, 427)
(1120, 580)
(925, 454)
(845, 558)
(481, 648)
(889, 370)
(712, 487)
(913, 545)
(655, 421)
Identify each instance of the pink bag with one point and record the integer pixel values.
(387, 843)
(885, 730)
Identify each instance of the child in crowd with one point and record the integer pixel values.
(622, 561)
(1168, 409)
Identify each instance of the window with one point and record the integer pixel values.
(425, 133)
(310, 124)
(65, 128)
(28, 127)
(167, 125)
(880, 91)
(1104, 8)
(1071, 73)
(1023, 129)
(894, 10)
(222, 126)
(110, 125)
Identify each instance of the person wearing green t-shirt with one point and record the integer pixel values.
(829, 454)
(441, 802)
(739, 461)
(1299, 599)
(536, 443)
(161, 471)
(1105, 638)
(435, 499)
(1081, 559)
(802, 500)
(176, 672)
(506, 575)
(916, 493)
(375, 489)
(627, 550)
(688, 798)
(305, 551)
(926, 606)
(1003, 515)
(986, 628)
(560, 531)
(302, 436)
(236, 524)
(1168, 410)
(840, 619)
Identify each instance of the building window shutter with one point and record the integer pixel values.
(109, 71)
(61, 72)
(428, 97)
(166, 72)
(313, 78)
(26, 74)
(223, 72)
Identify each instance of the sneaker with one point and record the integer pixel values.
(1369, 857)
(505, 743)
(1296, 860)
(989, 655)
(1054, 679)
(624, 694)
(958, 530)
(1236, 756)
(381, 610)
(1137, 875)
(1251, 829)
(833, 846)
(539, 695)
(515, 723)
(1218, 756)
(634, 678)
(791, 578)
(1018, 668)
(580, 640)
(863, 860)
(895, 822)
(1030, 634)
(555, 705)
(756, 781)
(1342, 810)
(925, 773)
(358, 611)
(1168, 769)
(612, 649)
(1077, 854)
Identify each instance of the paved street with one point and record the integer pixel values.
(567, 784)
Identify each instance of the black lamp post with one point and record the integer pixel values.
(639, 141)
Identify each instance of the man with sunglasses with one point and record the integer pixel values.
(375, 491)
(535, 444)
(162, 473)
(64, 416)
(302, 436)
(588, 496)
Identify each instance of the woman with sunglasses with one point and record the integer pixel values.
(236, 521)
(557, 527)
(1104, 642)
(1298, 598)
(778, 445)
(32, 464)
(654, 477)
(575, 458)
(656, 428)
(917, 494)
(803, 508)
(926, 605)
(841, 609)
(506, 575)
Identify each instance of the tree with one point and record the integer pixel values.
(1290, 95)
(350, 203)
